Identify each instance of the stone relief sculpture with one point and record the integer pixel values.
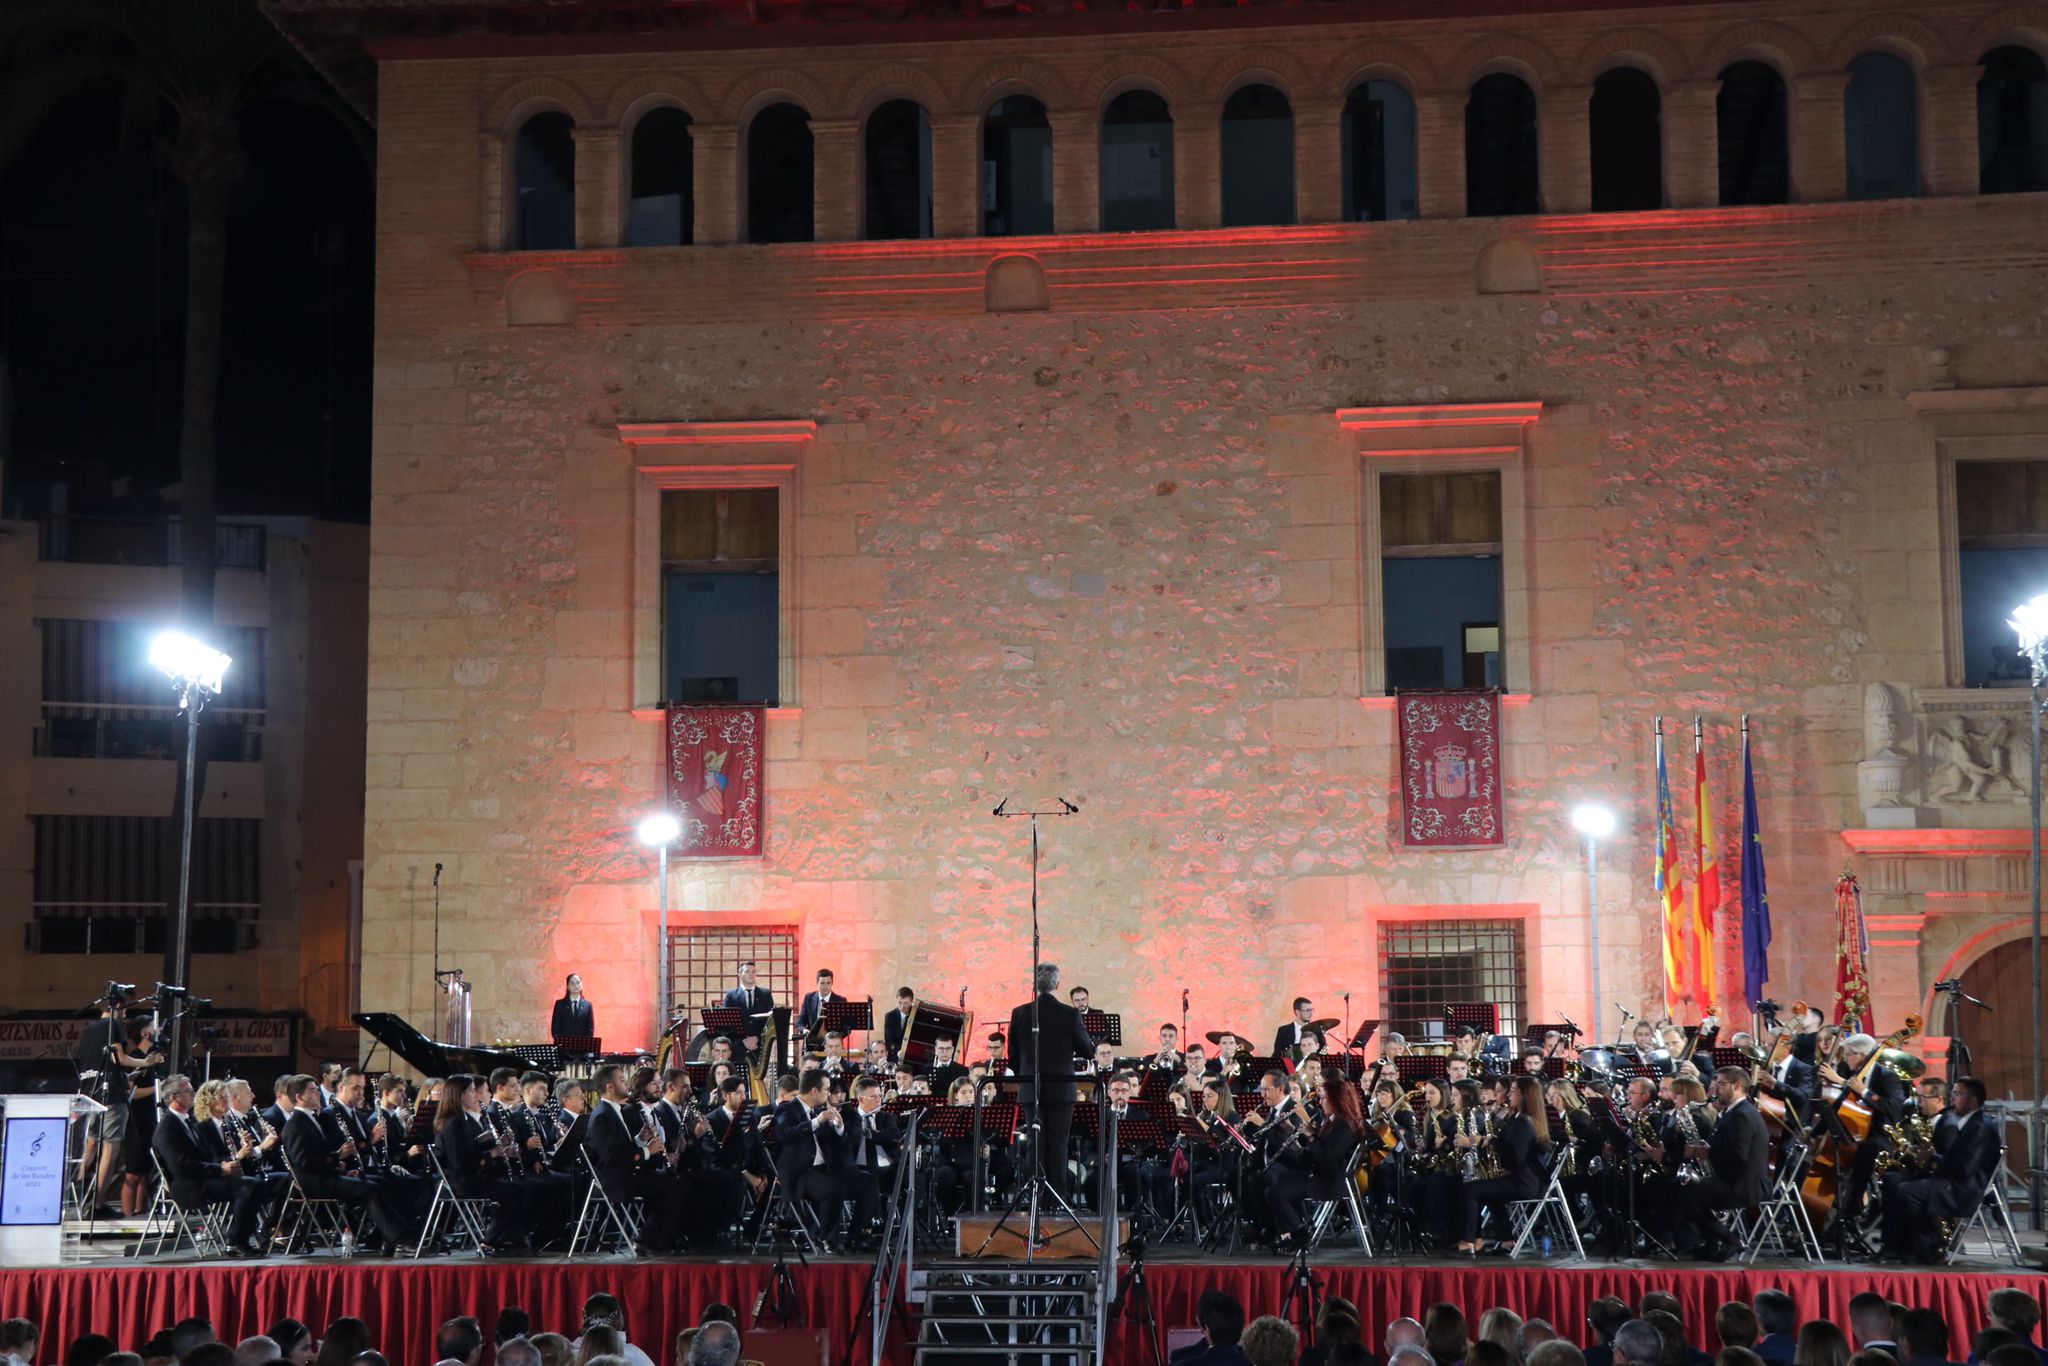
(1972, 765)
(1881, 776)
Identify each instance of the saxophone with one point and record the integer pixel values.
(1489, 1160)
(1689, 1169)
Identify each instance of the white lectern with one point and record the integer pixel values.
(34, 1144)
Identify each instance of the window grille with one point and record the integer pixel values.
(1427, 964)
(704, 963)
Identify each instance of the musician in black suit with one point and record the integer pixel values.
(573, 1017)
(1046, 1094)
(754, 999)
(1738, 1154)
(1913, 1202)
(575, 1126)
(735, 1142)
(630, 1164)
(281, 1104)
(896, 1024)
(812, 1011)
(1792, 1081)
(869, 1153)
(1883, 1093)
(201, 1169)
(1291, 1034)
(322, 1167)
(807, 1136)
(1317, 1165)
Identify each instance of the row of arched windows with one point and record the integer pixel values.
(1257, 170)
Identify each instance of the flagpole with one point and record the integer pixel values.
(1702, 920)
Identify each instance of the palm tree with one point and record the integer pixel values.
(185, 72)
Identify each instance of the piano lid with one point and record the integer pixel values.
(433, 1059)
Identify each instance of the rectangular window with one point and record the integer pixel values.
(720, 582)
(2002, 554)
(1440, 564)
(1426, 965)
(104, 884)
(704, 963)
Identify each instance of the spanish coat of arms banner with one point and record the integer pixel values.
(1450, 770)
(715, 780)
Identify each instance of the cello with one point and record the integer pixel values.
(1779, 1119)
(1845, 1126)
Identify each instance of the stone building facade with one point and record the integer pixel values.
(1097, 515)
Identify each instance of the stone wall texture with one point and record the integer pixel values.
(1111, 550)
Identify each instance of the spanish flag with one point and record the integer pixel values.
(1670, 885)
(1706, 902)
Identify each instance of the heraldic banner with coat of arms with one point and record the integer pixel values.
(1450, 770)
(715, 780)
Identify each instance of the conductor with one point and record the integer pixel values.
(1061, 1040)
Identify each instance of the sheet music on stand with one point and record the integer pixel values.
(1104, 1026)
(1413, 1070)
(843, 1017)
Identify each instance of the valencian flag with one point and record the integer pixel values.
(1706, 891)
(1756, 896)
(1670, 885)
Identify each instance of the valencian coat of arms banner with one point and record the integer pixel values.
(715, 780)
(1450, 770)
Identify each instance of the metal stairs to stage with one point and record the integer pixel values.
(989, 1313)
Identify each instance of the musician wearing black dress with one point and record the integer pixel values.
(1912, 1203)
(1520, 1144)
(573, 1017)
(1315, 1164)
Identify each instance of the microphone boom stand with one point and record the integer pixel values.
(1036, 1184)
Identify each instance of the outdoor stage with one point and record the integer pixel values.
(403, 1302)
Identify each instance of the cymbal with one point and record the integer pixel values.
(1903, 1063)
(764, 1015)
(1324, 1026)
(1216, 1036)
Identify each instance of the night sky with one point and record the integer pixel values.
(92, 263)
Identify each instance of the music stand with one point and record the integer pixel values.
(1104, 1026)
(1413, 1071)
(580, 1045)
(978, 1123)
(1483, 1016)
(842, 1017)
(1363, 1036)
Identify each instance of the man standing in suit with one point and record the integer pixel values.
(753, 998)
(1291, 1034)
(1046, 1096)
(1913, 1203)
(896, 1025)
(1739, 1154)
(201, 1173)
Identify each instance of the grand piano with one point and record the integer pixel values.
(443, 1060)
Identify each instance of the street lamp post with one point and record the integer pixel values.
(659, 832)
(1595, 823)
(2030, 621)
(197, 671)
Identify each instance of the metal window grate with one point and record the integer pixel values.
(1425, 964)
(704, 963)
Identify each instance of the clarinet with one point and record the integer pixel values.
(508, 1166)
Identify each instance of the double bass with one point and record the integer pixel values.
(1845, 1127)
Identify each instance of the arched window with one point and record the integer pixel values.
(2012, 122)
(1137, 163)
(1881, 128)
(660, 204)
(896, 171)
(1257, 157)
(1627, 125)
(1016, 168)
(1749, 116)
(544, 183)
(1500, 147)
(1379, 153)
(780, 186)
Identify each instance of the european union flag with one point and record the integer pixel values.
(1756, 896)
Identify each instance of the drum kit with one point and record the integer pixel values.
(1605, 1064)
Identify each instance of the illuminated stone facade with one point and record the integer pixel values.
(1077, 514)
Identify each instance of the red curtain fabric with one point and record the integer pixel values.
(404, 1303)
(715, 779)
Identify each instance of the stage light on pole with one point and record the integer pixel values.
(2030, 622)
(660, 830)
(1594, 823)
(197, 671)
